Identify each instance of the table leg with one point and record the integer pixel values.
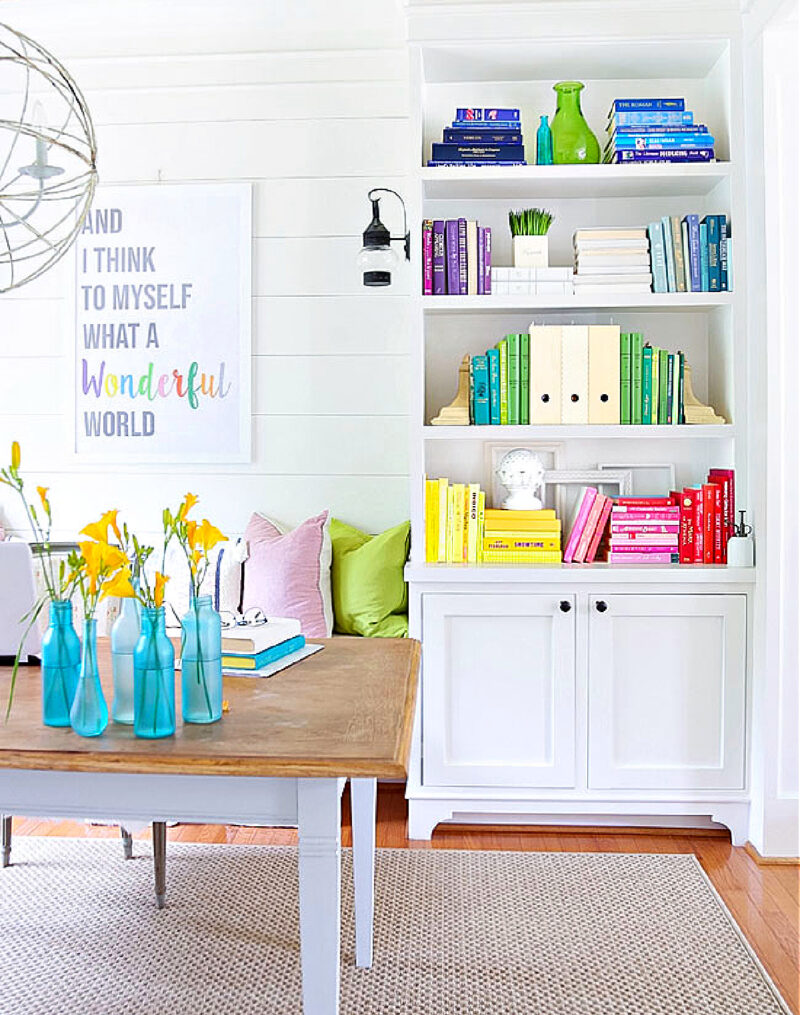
(160, 861)
(319, 833)
(362, 801)
(6, 823)
(127, 842)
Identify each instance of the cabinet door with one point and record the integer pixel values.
(498, 699)
(666, 692)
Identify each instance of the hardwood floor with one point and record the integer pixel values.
(764, 898)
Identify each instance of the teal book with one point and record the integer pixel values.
(663, 385)
(502, 347)
(704, 257)
(625, 377)
(712, 247)
(647, 383)
(670, 387)
(658, 260)
(524, 378)
(636, 377)
(471, 395)
(681, 416)
(493, 358)
(669, 253)
(480, 389)
(513, 379)
(254, 661)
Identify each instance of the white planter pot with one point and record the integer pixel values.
(530, 251)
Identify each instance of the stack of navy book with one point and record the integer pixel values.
(655, 130)
(481, 137)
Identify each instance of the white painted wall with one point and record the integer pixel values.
(308, 101)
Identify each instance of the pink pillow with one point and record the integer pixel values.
(288, 574)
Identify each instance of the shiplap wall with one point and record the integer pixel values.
(309, 102)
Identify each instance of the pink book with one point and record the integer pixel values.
(427, 257)
(591, 553)
(589, 496)
(645, 516)
(645, 527)
(588, 530)
(628, 548)
(643, 558)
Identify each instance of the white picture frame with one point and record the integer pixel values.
(645, 467)
(559, 481)
(548, 451)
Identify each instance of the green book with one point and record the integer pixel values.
(636, 377)
(663, 386)
(647, 383)
(513, 379)
(625, 377)
(502, 346)
(525, 378)
(654, 385)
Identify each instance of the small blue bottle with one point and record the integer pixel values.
(89, 713)
(544, 143)
(201, 663)
(153, 678)
(61, 663)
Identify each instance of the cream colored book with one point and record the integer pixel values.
(473, 493)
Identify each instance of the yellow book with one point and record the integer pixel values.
(521, 543)
(481, 522)
(473, 494)
(238, 663)
(431, 519)
(531, 557)
(441, 530)
(542, 515)
(458, 523)
(450, 526)
(511, 526)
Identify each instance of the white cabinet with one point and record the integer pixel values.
(498, 699)
(667, 691)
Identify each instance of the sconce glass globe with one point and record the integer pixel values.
(48, 156)
(377, 265)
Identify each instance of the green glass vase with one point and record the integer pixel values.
(573, 141)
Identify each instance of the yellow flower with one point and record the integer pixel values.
(91, 557)
(42, 491)
(16, 457)
(111, 518)
(119, 585)
(189, 502)
(99, 530)
(158, 593)
(210, 535)
(191, 532)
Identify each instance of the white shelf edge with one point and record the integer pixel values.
(653, 301)
(580, 574)
(600, 432)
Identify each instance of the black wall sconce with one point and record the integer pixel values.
(377, 258)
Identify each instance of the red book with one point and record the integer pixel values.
(602, 523)
(646, 501)
(686, 540)
(588, 530)
(708, 522)
(692, 526)
(714, 476)
(718, 523)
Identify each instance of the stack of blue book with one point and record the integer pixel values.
(655, 130)
(481, 137)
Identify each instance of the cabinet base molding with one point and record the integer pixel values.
(424, 815)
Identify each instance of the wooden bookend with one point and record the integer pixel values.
(693, 409)
(457, 412)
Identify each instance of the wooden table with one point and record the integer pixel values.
(280, 756)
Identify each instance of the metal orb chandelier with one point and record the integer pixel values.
(48, 158)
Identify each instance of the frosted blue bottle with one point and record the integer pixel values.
(153, 678)
(61, 663)
(201, 663)
(89, 713)
(544, 143)
(124, 638)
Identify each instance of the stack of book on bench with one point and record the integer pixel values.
(250, 650)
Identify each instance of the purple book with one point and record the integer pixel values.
(427, 257)
(666, 155)
(487, 261)
(439, 286)
(693, 229)
(462, 257)
(481, 259)
(451, 248)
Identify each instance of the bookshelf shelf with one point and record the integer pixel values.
(581, 574)
(522, 433)
(661, 302)
(519, 182)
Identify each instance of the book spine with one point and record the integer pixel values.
(487, 281)
(643, 558)
(717, 524)
(462, 257)
(472, 257)
(451, 234)
(513, 379)
(697, 526)
(687, 271)
(670, 386)
(647, 384)
(665, 155)
(427, 257)
(638, 516)
(682, 363)
(714, 276)
(703, 230)
(636, 377)
(524, 378)
(663, 386)
(648, 105)
(658, 264)
(488, 114)
(659, 129)
(669, 253)
(708, 523)
(627, 504)
(588, 530)
(651, 528)
(476, 152)
(693, 225)
(658, 142)
(431, 515)
(481, 522)
(481, 261)
(469, 136)
(625, 377)
(471, 393)
(438, 258)
(644, 546)
(600, 529)
(677, 247)
(441, 549)
(526, 557)
(480, 373)
(473, 496)
(655, 388)
(459, 492)
(726, 477)
(654, 118)
(580, 521)
(449, 163)
(686, 540)
(723, 253)
(503, 347)
(521, 543)
(493, 356)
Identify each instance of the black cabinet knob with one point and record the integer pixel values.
(565, 605)
(601, 606)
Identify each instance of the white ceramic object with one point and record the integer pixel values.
(530, 251)
(741, 551)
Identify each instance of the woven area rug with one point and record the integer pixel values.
(457, 932)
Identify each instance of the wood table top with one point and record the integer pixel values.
(345, 711)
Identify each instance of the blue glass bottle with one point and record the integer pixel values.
(89, 713)
(124, 639)
(201, 663)
(544, 143)
(61, 663)
(153, 678)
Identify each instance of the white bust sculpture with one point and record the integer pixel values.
(521, 472)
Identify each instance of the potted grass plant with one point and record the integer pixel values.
(529, 238)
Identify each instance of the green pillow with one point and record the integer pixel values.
(370, 596)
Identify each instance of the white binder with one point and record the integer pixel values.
(575, 373)
(604, 373)
(545, 374)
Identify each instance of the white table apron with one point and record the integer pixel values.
(313, 805)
